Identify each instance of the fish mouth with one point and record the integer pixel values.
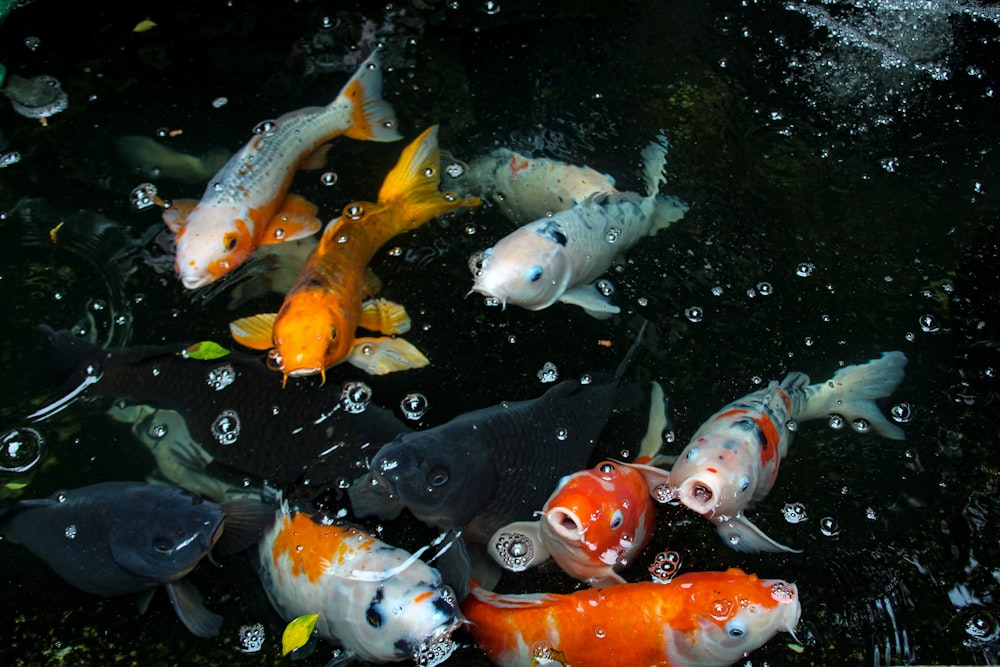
(493, 297)
(196, 281)
(565, 524)
(699, 495)
(437, 647)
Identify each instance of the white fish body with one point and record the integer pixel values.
(379, 602)
(732, 459)
(246, 204)
(558, 258)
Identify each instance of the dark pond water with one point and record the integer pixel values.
(840, 160)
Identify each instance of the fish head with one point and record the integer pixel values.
(169, 531)
(410, 616)
(213, 242)
(597, 519)
(311, 333)
(730, 614)
(527, 268)
(717, 475)
(443, 480)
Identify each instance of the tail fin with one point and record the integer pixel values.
(659, 422)
(411, 188)
(668, 209)
(632, 352)
(852, 392)
(372, 118)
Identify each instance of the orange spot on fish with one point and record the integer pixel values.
(771, 436)
(311, 547)
(712, 470)
(423, 596)
(516, 166)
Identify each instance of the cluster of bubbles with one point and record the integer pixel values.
(252, 638)
(665, 565)
(548, 372)
(226, 427)
(143, 196)
(515, 549)
(794, 512)
(221, 377)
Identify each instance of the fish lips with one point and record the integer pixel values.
(372, 495)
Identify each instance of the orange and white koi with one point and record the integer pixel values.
(594, 523)
(700, 618)
(732, 460)
(247, 203)
(381, 603)
(315, 326)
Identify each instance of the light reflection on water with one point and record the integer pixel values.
(841, 154)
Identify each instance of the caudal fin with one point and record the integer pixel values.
(853, 390)
(372, 118)
(411, 188)
(668, 209)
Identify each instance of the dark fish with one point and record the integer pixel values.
(233, 406)
(486, 468)
(117, 538)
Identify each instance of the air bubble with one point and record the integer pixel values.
(586, 378)
(765, 289)
(548, 372)
(665, 566)
(70, 532)
(414, 405)
(355, 397)
(980, 626)
(721, 609)
(428, 172)
(929, 324)
(599, 632)
(266, 128)
(902, 413)
(226, 427)
(221, 377)
(605, 287)
(805, 269)
(251, 638)
(694, 314)
(613, 234)
(561, 434)
(158, 431)
(491, 8)
(794, 512)
(220, 102)
(143, 196)
(515, 550)
(354, 211)
(861, 425)
(829, 527)
(454, 170)
(328, 178)
(717, 290)
(836, 422)
(20, 449)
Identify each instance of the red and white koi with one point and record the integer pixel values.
(732, 460)
(700, 618)
(247, 203)
(381, 603)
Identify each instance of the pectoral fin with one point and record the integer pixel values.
(176, 216)
(190, 608)
(378, 356)
(742, 535)
(255, 332)
(296, 220)
(593, 302)
(384, 316)
(518, 546)
(316, 159)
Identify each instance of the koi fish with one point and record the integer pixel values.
(489, 467)
(117, 538)
(560, 258)
(315, 327)
(247, 203)
(732, 460)
(525, 188)
(154, 160)
(593, 525)
(379, 602)
(699, 618)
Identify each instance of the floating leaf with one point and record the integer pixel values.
(144, 25)
(297, 633)
(204, 350)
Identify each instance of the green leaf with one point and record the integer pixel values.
(297, 633)
(204, 350)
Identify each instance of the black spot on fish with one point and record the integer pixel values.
(401, 648)
(551, 231)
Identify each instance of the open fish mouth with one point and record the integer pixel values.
(565, 524)
(699, 496)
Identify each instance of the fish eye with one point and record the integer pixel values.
(333, 333)
(162, 545)
(373, 617)
(744, 484)
(534, 273)
(617, 519)
(736, 628)
(438, 477)
(229, 241)
(693, 452)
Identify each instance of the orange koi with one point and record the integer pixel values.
(315, 326)
(247, 203)
(699, 618)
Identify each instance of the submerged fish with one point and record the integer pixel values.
(699, 619)
(527, 188)
(154, 160)
(487, 468)
(732, 460)
(379, 602)
(593, 525)
(247, 203)
(315, 327)
(559, 258)
(235, 412)
(117, 538)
